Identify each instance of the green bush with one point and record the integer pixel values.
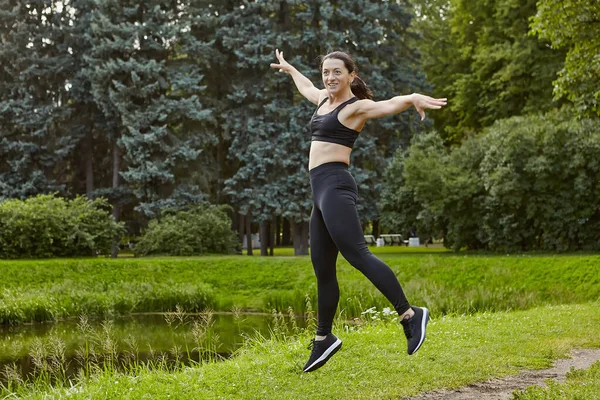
(49, 226)
(525, 183)
(198, 231)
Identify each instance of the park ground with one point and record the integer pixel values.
(490, 343)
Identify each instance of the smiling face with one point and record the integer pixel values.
(336, 77)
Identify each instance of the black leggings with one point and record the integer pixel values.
(335, 226)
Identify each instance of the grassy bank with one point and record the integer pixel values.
(445, 282)
(371, 365)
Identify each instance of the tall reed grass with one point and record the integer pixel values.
(103, 351)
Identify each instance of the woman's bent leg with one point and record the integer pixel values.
(343, 224)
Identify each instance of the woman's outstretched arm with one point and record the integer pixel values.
(369, 109)
(304, 85)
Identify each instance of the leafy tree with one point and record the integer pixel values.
(573, 25)
(540, 173)
(480, 55)
(399, 210)
(525, 183)
(436, 191)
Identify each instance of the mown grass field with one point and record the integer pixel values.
(447, 283)
(493, 315)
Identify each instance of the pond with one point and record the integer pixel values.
(171, 339)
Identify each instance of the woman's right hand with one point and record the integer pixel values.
(283, 65)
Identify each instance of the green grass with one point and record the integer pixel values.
(580, 384)
(371, 365)
(432, 249)
(447, 283)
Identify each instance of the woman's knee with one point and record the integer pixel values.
(359, 258)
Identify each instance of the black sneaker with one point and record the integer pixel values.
(414, 328)
(322, 350)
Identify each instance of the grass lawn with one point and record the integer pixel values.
(446, 282)
(432, 249)
(493, 315)
(372, 363)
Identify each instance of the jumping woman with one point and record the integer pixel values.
(343, 107)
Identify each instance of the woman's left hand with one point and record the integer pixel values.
(422, 102)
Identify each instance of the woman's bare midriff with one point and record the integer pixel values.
(324, 152)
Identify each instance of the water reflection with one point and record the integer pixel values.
(167, 340)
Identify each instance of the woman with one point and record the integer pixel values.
(343, 107)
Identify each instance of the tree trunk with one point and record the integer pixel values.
(249, 233)
(264, 238)
(234, 220)
(87, 148)
(241, 226)
(272, 236)
(220, 167)
(375, 231)
(300, 232)
(277, 231)
(115, 185)
(286, 233)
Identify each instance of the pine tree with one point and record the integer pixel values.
(377, 35)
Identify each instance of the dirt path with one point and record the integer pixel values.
(501, 389)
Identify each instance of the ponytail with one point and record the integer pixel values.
(360, 89)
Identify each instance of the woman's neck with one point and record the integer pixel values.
(340, 97)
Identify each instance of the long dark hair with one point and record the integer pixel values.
(358, 86)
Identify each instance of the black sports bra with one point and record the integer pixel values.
(328, 128)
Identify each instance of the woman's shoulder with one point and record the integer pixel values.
(359, 104)
(322, 96)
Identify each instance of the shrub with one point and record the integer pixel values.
(49, 226)
(525, 183)
(185, 233)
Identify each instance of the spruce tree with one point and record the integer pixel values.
(35, 66)
(271, 140)
(91, 163)
(376, 34)
(252, 118)
(143, 82)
